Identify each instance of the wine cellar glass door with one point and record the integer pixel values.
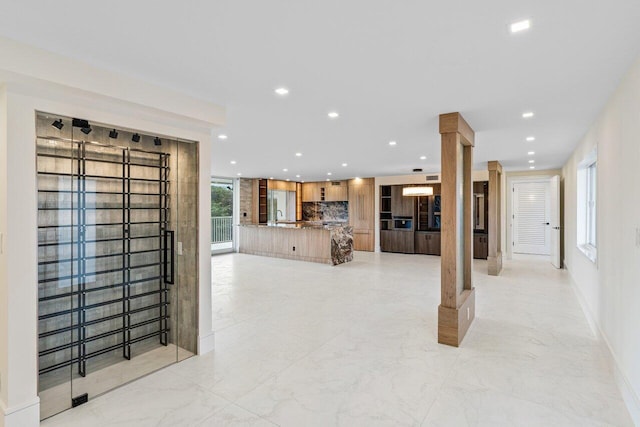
(109, 308)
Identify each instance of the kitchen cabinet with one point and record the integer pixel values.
(311, 192)
(361, 213)
(480, 246)
(336, 191)
(328, 191)
(425, 212)
(275, 184)
(401, 205)
(397, 241)
(385, 240)
(363, 240)
(427, 243)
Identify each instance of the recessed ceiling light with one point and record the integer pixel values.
(297, 176)
(233, 162)
(302, 182)
(282, 91)
(270, 177)
(344, 165)
(531, 153)
(516, 27)
(288, 179)
(357, 177)
(423, 157)
(532, 167)
(328, 179)
(532, 161)
(527, 115)
(531, 138)
(333, 115)
(392, 143)
(285, 170)
(222, 136)
(329, 173)
(239, 173)
(298, 154)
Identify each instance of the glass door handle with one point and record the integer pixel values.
(169, 276)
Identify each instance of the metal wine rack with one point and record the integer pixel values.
(105, 253)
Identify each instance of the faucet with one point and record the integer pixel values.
(281, 214)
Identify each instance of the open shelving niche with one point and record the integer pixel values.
(385, 208)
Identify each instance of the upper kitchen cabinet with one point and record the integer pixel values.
(327, 191)
(311, 192)
(282, 185)
(336, 191)
(401, 205)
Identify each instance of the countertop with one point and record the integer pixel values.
(301, 225)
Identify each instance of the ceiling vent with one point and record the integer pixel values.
(417, 170)
(335, 183)
(433, 177)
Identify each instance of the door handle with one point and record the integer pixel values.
(556, 228)
(545, 223)
(169, 277)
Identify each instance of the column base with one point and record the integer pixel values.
(25, 415)
(206, 343)
(494, 264)
(453, 323)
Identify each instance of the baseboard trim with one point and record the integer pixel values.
(206, 343)
(630, 397)
(26, 414)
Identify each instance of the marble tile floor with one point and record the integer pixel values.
(306, 344)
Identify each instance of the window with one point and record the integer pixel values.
(591, 205)
(586, 204)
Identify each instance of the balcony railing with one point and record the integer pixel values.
(221, 229)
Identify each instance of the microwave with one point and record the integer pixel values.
(402, 223)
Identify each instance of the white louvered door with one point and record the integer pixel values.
(531, 217)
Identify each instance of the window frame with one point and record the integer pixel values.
(587, 206)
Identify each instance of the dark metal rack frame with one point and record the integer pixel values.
(79, 290)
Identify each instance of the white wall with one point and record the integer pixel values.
(20, 98)
(610, 288)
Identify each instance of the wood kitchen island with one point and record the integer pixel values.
(328, 244)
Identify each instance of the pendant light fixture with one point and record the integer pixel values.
(417, 191)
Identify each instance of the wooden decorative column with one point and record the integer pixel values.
(494, 260)
(457, 300)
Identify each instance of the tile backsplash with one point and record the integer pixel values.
(325, 211)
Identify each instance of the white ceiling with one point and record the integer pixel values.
(388, 67)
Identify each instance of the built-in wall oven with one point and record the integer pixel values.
(403, 223)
